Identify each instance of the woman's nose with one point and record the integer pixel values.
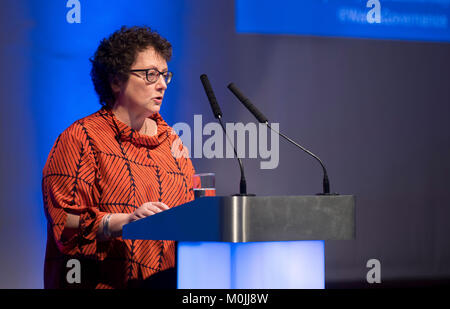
(161, 83)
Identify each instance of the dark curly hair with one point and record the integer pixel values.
(116, 54)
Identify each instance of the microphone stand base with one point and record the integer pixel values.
(327, 194)
(243, 194)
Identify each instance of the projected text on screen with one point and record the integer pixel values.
(421, 20)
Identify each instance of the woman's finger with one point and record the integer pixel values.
(155, 209)
(161, 205)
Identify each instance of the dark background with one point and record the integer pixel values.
(375, 111)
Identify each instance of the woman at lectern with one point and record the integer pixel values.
(113, 167)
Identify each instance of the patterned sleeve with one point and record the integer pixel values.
(68, 187)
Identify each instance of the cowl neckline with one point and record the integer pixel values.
(126, 133)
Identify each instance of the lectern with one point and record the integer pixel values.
(251, 242)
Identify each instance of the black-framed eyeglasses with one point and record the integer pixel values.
(152, 75)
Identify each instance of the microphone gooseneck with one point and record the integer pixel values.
(263, 119)
(326, 182)
(218, 114)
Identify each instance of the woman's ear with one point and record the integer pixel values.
(115, 85)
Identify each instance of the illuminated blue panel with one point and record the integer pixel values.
(204, 265)
(256, 265)
(279, 265)
(399, 19)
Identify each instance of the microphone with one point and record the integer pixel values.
(218, 114)
(263, 119)
(211, 97)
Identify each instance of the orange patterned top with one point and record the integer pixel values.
(100, 165)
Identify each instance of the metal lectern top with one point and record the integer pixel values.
(251, 218)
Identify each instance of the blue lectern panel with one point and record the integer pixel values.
(280, 265)
(204, 265)
(253, 265)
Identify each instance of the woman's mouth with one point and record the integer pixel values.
(157, 100)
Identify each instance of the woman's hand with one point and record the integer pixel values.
(147, 209)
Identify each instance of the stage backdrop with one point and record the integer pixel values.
(376, 111)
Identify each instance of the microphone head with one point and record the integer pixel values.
(211, 97)
(261, 118)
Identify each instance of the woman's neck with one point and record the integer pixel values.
(138, 122)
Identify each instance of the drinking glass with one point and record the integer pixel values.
(204, 185)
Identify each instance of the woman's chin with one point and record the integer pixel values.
(153, 109)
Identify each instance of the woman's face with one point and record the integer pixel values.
(137, 94)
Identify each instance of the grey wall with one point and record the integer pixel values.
(376, 112)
